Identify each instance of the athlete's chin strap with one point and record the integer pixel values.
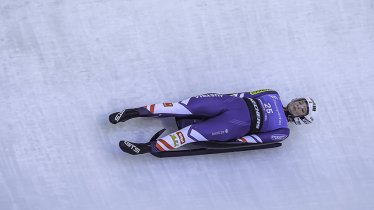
(290, 117)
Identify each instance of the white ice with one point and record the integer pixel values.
(65, 65)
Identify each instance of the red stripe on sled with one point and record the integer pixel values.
(166, 144)
(244, 140)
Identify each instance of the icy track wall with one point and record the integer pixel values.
(66, 65)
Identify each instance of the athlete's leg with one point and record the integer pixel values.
(207, 105)
(202, 106)
(232, 124)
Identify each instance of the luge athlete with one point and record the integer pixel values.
(249, 117)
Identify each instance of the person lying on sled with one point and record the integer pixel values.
(248, 117)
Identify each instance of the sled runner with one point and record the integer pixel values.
(196, 148)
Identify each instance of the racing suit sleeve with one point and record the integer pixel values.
(267, 137)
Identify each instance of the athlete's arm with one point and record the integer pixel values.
(254, 94)
(267, 137)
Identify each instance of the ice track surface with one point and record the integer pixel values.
(65, 65)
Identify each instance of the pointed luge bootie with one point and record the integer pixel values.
(123, 116)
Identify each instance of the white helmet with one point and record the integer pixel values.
(312, 111)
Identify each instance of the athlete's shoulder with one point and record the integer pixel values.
(262, 92)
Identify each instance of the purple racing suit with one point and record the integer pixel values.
(251, 117)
